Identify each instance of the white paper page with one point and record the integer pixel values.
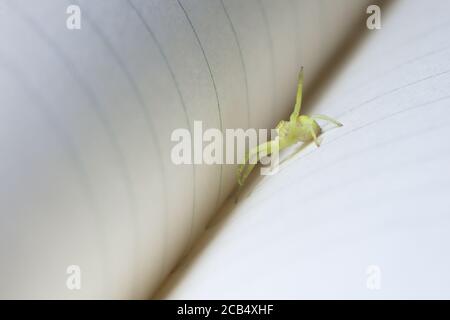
(86, 117)
(367, 215)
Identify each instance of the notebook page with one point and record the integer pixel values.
(367, 214)
(86, 118)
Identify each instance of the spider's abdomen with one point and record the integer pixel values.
(304, 128)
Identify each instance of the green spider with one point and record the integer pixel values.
(298, 128)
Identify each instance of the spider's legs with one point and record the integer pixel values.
(316, 140)
(298, 100)
(246, 168)
(250, 162)
(327, 118)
